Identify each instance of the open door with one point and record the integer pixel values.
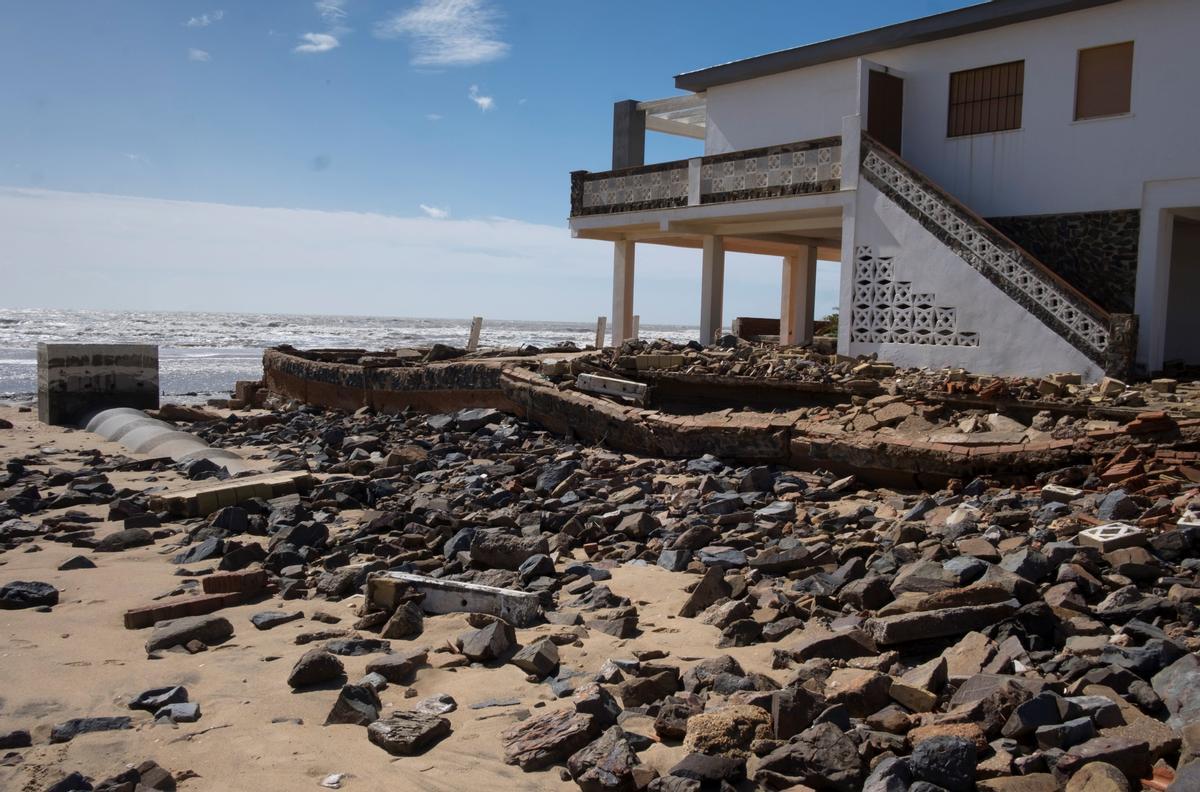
(885, 108)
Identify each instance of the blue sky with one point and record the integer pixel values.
(432, 110)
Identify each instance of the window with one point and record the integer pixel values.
(986, 99)
(1103, 81)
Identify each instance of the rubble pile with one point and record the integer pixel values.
(736, 357)
(981, 636)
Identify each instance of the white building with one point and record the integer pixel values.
(1068, 124)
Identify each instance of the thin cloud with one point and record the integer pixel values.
(139, 159)
(198, 56)
(332, 11)
(448, 32)
(485, 102)
(317, 42)
(436, 212)
(204, 20)
(433, 116)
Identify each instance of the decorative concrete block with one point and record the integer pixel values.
(1114, 536)
(76, 381)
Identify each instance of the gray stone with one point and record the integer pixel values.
(488, 643)
(398, 667)
(69, 730)
(357, 705)
(539, 658)
(27, 594)
(946, 761)
(408, 733)
(265, 620)
(208, 630)
(316, 667)
(821, 756)
(544, 740)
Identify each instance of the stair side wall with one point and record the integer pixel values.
(992, 333)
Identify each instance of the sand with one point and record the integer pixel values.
(255, 733)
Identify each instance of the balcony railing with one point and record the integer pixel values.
(809, 166)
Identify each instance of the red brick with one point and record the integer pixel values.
(137, 618)
(247, 581)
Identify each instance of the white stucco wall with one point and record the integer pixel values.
(783, 108)
(1012, 341)
(1052, 164)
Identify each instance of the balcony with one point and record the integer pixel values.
(804, 167)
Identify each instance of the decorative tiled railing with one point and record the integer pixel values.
(791, 169)
(1028, 281)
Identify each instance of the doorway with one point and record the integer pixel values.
(1181, 346)
(885, 109)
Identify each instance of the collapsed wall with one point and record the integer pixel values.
(781, 437)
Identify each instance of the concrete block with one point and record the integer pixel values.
(518, 608)
(199, 500)
(1113, 536)
(75, 381)
(611, 386)
(246, 581)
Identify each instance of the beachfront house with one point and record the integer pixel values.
(1012, 187)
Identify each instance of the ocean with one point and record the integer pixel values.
(201, 355)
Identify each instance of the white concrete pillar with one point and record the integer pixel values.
(712, 288)
(622, 312)
(798, 295)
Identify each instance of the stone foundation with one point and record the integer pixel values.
(76, 381)
(1096, 252)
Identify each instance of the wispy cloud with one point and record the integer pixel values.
(448, 32)
(485, 102)
(199, 55)
(317, 42)
(139, 159)
(436, 212)
(332, 11)
(433, 116)
(204, 20)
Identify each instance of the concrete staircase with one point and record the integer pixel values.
(1104, 339)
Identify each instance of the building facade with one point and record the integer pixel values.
(1010, 187)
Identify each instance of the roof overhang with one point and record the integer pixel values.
(677, 115)
(983, 16)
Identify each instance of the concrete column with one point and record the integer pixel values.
(629, 135)
(712, 288)
(622, 311)
(798, 294)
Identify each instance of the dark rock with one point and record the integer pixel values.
(315, 667)
(124, 540)
(821, 756)
(356, 647)
(708, 590)
(18, 738)
(69, 730)
(265, 620)
(211, 547)
(209, 630)
(488, 643)
(605, 764)
(73, 782)
(156, 698)
(547, 739)
(710, 771)
(357, 705)
(493, 549)
(27, 594)
(408, 733)
(539, 658)
(1178, 685)
(946, 761)
(76, 562)
(406, 622)
(398, 667)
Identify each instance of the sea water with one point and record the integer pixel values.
(201, 355)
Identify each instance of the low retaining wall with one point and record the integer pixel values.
(781, 438)
(435, 387)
